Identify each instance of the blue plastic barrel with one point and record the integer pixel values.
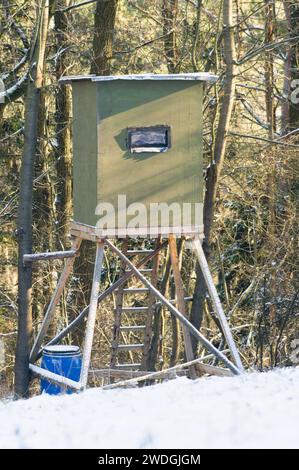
(62, 360)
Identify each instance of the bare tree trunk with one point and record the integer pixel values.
(294, 106)
(43, 209)
(285, 111)
(63, 126)
(269, 70)
(215, 167)
(270, 163)
(104, 23)
(43, 199)
(25, 204)
(290, 109)
(169, 13)
(196, 35)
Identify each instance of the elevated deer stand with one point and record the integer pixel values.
(137, 137)
(80, 232)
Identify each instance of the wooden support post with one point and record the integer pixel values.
(151, 310)
(54, 301)
(89, 333)
(180, 294)
(216, 303)
(176, 312)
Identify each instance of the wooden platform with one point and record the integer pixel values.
(88, 232)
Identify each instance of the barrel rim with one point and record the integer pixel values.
(61, 350)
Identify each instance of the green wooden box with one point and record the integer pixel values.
(121, 170)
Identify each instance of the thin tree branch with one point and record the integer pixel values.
(77, 5)
(144, 12)
(265, 47)
(263, 139)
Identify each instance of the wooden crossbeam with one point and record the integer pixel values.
(54, 378)
(161, 374)
(126, 374)
(31, 258)
(212, 370)
(130, 347)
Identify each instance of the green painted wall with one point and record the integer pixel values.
(85, 152)
(173, 176)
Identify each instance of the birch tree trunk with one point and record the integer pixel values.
(25, 202)
(218, 154)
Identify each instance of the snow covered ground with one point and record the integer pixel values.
(258, 410)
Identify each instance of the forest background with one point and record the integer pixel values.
(251, 144)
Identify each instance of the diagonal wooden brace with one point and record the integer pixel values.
(54, 301)
(209, 346)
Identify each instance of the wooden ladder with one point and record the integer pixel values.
(133, 322)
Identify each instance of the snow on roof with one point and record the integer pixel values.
(199, 76)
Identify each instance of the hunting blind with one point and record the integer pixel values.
(138, 137)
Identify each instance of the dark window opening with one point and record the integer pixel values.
(148, 139)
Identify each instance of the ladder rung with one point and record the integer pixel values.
(134, 309)
(127, 366)
(143, 270)
(135, 290)
(129, 347)
(132, 328)
(139, 252)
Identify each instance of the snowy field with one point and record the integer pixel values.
(254, 411)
